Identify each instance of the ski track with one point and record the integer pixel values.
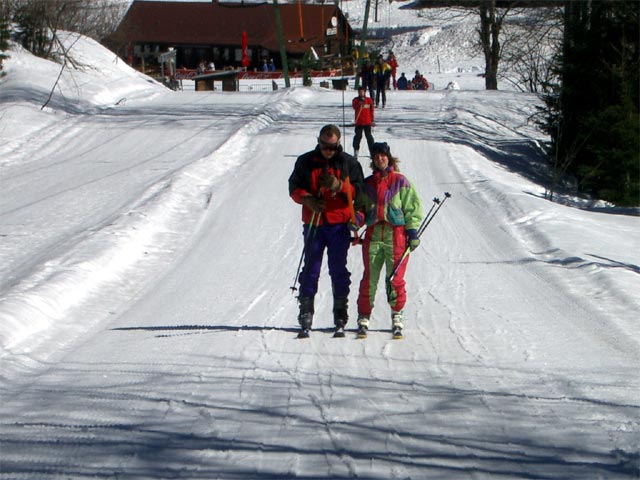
(459, 409)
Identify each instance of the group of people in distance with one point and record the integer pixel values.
(364, 107)
(418, 82)
(381, 76)
(337, 200)
(375, 79)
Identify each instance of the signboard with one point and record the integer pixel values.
(332, 31)
(170, 55)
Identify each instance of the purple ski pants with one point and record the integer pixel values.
(336, 240)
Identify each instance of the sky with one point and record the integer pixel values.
(148, 248)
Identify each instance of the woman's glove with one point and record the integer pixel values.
(412, 239)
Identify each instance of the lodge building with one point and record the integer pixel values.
(226, 33)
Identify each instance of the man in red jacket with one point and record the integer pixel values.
(319, 182)
(364, 111)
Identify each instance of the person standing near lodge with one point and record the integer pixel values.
(364, 118)
(323, 181)
(403, 82)
(393, 213)
(366, 76)
(419, 82)
(393, 63)
(381, 72)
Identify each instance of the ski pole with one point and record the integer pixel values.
(315, 221)
(427, 220)
(352, 211)
(423, 226)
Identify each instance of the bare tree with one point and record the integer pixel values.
(534, 40)
(95, 18)
(498, 40)
(38, 20)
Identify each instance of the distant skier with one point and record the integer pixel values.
(381, 74)
(319, 183)
(364, 118)
(366, 76)
(393, 213)
(393, 63)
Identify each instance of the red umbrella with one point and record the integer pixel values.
(245, 49)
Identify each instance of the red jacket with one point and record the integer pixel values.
(364, 111)
(305, 180)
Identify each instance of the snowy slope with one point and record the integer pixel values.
(148, 330)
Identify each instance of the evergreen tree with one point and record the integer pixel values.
(5, 20)
(597, 126)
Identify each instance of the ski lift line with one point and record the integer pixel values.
(342, 77)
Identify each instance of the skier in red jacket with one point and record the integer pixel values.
(319, 182)
(365, 113)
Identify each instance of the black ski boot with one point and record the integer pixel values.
(340, 315)
(305, 317)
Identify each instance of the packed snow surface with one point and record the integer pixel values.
(148, 330)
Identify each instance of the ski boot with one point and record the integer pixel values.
(305, 317)
(363, 326)
(340, 315)
(396, 325)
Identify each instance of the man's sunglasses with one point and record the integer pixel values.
(329, 146)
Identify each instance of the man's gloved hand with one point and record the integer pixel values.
(412, 239)
(330, 182)
(315, 204)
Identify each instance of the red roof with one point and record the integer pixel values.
(200, 23)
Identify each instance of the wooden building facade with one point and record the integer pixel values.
(213, 32)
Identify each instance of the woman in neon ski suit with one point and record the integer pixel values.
(393, 213)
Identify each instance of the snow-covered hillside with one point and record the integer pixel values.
(436, 42)
(147, 328)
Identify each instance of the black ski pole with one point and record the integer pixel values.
(312, 226)
(427, 219)
(423, 226)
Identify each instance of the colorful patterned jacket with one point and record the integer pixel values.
(391, 199)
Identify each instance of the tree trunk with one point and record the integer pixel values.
(490, 27)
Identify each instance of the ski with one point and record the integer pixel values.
(304, 333)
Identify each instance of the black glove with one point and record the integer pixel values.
(315, 204)
(330, 182)
(412, 239)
